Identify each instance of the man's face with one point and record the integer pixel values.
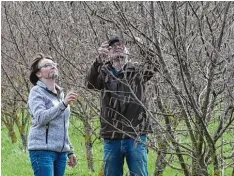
(117, 51)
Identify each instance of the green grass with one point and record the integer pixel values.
(15, 161)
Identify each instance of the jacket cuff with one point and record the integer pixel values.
(62, 106)
(70, 153)
(71, 150)
(96, 63)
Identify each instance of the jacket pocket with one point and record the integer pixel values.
(47, 132)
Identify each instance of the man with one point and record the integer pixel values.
(124, 123)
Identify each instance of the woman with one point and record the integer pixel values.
(48, 142)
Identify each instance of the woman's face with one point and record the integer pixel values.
(47, 69)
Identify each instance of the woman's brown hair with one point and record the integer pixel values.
(34, 67)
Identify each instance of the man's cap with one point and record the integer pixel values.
(113, 39)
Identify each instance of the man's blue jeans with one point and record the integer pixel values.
(136, 156)
(48, 163)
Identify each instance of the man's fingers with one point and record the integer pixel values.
(103, 50)
(105, 44)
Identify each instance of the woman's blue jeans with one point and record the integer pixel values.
(48, 163)
(136, 156)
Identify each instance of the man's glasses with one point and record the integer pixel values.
(48, 65)
(117, 44)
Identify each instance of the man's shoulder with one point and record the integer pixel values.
(131, 65)
(134, 65)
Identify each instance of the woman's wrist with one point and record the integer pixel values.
(64, 104)
(69, 154)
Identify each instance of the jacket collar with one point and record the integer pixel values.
(42, 85)
(127, 68)
(124, 67)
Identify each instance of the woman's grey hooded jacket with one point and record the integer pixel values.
(50, 120)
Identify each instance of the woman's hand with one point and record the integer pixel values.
(72, 160)
(70, 97)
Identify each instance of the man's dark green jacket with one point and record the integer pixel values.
(123, 113)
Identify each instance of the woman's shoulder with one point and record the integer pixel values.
(36, 90)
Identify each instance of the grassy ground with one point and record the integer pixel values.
(15, 161)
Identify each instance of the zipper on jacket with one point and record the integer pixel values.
(64, 133)
(47, 132)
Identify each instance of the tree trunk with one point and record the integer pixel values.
(21, 123)
(24, 140)
(199, 168)
(89, 144)
(161, 161)
(101, 172)
(6, 119)
(12, 134)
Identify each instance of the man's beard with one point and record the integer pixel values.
(118, 62)
(118, 58)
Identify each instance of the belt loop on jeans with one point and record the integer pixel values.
(136, 140)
